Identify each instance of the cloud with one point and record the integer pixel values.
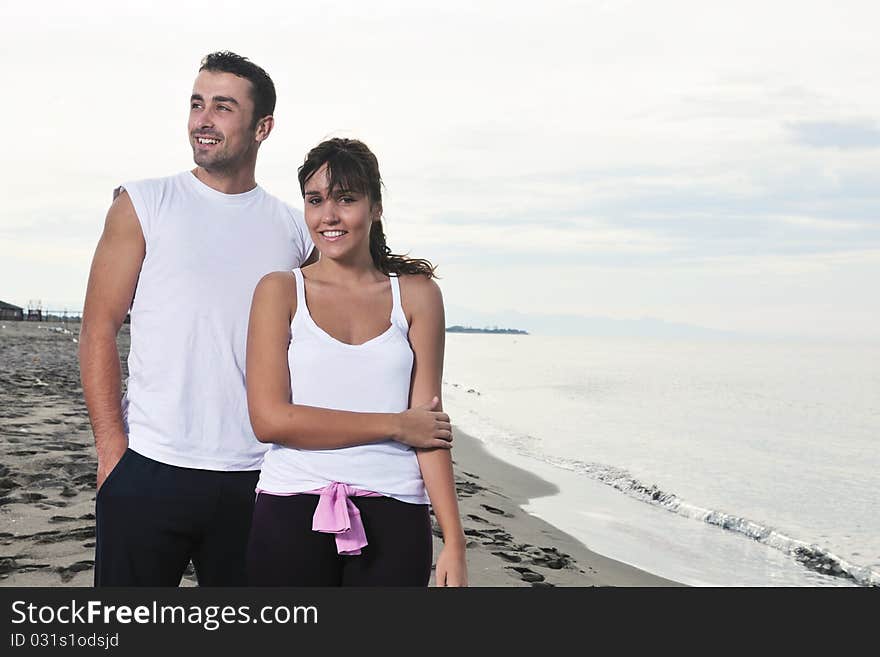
(854, 134)
(776, 264)
(564, 135)
(805, 208)
(549, 239)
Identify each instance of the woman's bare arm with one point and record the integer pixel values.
(276, 420)
(427, 335)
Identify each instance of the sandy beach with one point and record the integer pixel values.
(47, 486)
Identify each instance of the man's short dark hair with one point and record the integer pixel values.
(262, 87)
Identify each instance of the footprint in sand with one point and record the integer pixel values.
(32, 567)
(11, 564)
(67, 572)
(478, 518)
(493, 537)
(31, 497)
(59, 536)
(487, 537)
(8, 565)
(497, 512)
(43, 480)
(526, 574)
(467, 488)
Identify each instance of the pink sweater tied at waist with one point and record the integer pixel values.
(336, 514)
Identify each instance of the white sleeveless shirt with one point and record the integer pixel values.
(186, 403)
(373, 377)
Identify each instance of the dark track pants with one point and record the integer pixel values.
(153, 518)
(285, 551)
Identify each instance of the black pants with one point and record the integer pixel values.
(153, 518)
(285, 551)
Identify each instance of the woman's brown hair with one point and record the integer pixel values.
(352, 166)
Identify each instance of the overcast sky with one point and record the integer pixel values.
(710, 163)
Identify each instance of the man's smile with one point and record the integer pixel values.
(207, 140)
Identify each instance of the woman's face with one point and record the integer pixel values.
(339, 222)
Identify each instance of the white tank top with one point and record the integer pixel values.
(372, 377)
(186, 403)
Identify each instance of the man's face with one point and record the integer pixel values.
(220, 121)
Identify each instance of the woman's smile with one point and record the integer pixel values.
(333, 235)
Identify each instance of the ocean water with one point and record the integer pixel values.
(707, 462)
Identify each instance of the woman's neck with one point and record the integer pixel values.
(347, 273)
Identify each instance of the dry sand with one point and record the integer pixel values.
(47, 486)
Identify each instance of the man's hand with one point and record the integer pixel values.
(424, 427)
(110, 458)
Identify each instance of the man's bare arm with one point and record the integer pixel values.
(112, 281)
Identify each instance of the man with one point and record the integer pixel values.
(177, 459)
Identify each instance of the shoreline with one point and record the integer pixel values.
(509, 547)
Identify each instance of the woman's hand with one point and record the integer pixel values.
(452, 566)
(424, 427)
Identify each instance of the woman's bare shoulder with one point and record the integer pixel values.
(420, 293)
(276, 286)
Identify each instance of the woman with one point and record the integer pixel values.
(360, 330)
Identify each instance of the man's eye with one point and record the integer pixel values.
(314, 201)
(346, 199)
(195, 106)
(223, 107)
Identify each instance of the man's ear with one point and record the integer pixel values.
(264, 127)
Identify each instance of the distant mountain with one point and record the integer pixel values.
(494, 329)
(583, 325)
